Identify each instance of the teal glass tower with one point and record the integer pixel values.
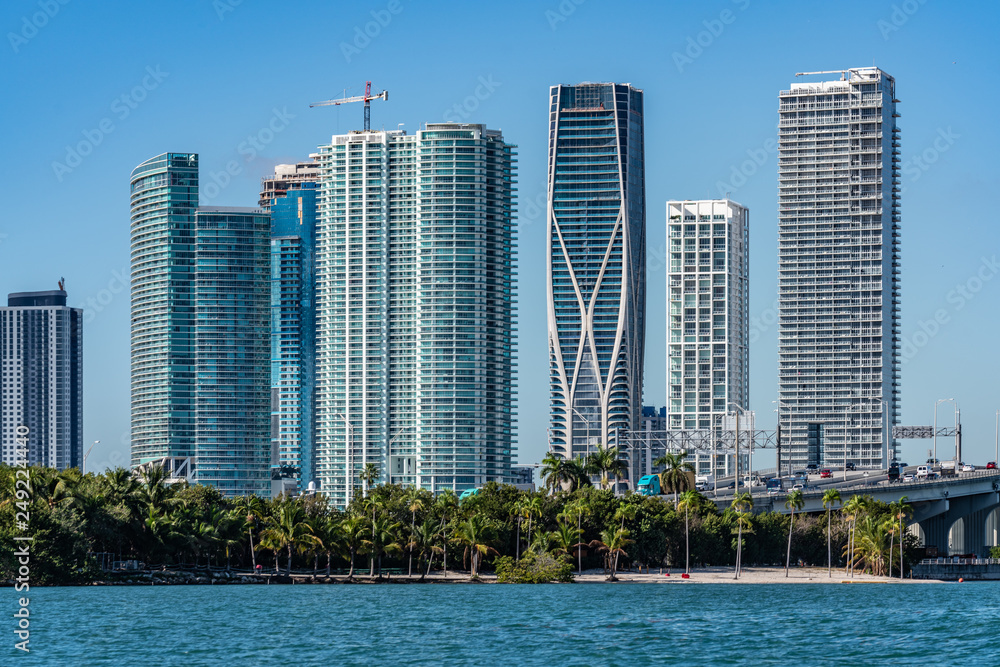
(291, 198)
(415, 304)
(596, 264)
(200, 296)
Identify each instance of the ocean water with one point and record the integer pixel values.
(569, 624)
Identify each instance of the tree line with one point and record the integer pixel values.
(75, 517)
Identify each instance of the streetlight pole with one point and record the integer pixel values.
(777, 435)
(740, 409)
(936, 404)
(83, 469)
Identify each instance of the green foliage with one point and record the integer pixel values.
(533, 568)
(994, 552)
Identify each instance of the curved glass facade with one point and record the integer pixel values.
(200, 375)
(596, 264)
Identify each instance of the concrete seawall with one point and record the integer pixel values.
(967, 570)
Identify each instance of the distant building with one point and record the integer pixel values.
(415, 261)
(522, 476)
(290, 196)
(838, 270)
(41, 379)
(200, 330)
(596, 251)
(286, 177)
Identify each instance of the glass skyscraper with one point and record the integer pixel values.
(200, 373)
(415, 306)
(838, 262)
(596, 264)
(41, 380)
(290, 196)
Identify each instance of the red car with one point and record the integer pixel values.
(991, 465)
(825, 473)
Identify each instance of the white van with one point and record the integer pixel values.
(923, 471)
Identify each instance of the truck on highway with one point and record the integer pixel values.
(649, 485)
(703, 482)
(948, 468)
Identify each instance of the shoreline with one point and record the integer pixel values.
(703, 575)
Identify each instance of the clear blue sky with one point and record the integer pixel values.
(130, 80)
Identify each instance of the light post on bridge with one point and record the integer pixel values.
(935, 434)
(736, 448)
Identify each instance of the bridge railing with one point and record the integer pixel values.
(960, 561)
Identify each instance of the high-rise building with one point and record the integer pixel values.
(200, 304)
(290, 196)
(838, 263)
(708, 361)
(41, 380)
(415, 307)
(596, 264)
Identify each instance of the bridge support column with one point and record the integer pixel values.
(975, 532)
(936, 530)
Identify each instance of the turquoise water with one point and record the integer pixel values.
(579, 624)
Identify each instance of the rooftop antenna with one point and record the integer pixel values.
(62, 284)
(366, 98)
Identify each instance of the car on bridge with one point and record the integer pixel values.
(992, 465)
(968, 467)
(849, 466)
(825, 473)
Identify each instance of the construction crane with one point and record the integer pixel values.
(366, 98)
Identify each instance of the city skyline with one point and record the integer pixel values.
(950, 265)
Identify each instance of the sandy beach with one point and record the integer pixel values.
(749, 575)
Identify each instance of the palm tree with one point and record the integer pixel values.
(368, 475)
(287, 530)
(624, 512)
(675, 472)
(742, 503)
(902, 510)
(554, 471)
(531, 507)
(830, 497)
(579, 507)
(475, 534)
(795, 501)
(518, 515)
(605, 462)
(446, 504)
(689, 499)
(612, 543)
(353, 531)
(424, 539)
(384, 540)
(415, 501)
(566, 537)
(576, 472)
(870, 547)
(853, 509)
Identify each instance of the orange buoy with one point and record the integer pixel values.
(960, 580)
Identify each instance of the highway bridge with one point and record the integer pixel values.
(965, 503)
